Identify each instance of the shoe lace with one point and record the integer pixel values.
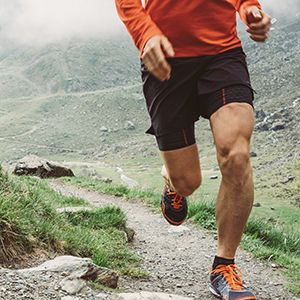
(176, 200)
(231, 274)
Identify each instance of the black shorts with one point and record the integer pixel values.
(198, 86)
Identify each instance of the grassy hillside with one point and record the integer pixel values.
(30, 223)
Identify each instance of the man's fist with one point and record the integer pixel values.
(154, 57)
(259, 24)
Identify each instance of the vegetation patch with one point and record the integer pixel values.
(267, 241)
(29, 220)
(116, 190)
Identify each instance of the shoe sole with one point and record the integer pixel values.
(174, 223)
(212, 290)
(217, 295)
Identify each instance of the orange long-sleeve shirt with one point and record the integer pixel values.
(194, 27)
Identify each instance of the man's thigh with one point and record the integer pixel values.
(182, 161)
(232, 126)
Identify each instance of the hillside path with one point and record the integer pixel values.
(178, 258)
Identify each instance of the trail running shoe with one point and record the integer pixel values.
(227, 284)
(173, 206)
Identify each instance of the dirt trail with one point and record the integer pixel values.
(178, 262)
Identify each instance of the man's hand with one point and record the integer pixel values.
(259, 24)
(154, 57)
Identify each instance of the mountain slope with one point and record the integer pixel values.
(82, 100)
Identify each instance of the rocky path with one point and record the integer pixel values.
(178, 258)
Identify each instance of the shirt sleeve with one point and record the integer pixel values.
(242, 7)
(137, 21)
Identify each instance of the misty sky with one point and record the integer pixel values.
(41, 21)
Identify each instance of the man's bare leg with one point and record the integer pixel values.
(182, 175)
(232, 127)
(182, 169)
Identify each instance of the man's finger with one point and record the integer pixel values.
(259, 31)
(148, 61)
(167, 47)
(266, 21)
(254, 15)
(259, 38)
(158, 70)
(154, 57)
(162, 64)
(156, 64)
(260, 25)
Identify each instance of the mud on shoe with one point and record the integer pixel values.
(173, 206)
(226, 283)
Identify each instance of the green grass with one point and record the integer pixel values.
(265, 240)
(29, 221)
(106, 217)
(117, 190)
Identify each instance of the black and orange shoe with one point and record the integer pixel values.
(226, 283)
(173, 206)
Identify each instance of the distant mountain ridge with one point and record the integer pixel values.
(73, 66)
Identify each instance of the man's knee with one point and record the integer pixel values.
(235, 163)
(186, 185)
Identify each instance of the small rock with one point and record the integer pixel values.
(263, 126)
(260, 114)
(287, 180)
(103, 129)
(129, 125)
(214, 177)
(257, 204)
(253, 154)
(108, 278)
(72, 285)
(278, 126)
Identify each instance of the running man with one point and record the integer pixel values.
(193, 65)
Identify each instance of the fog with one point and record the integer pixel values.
(42, 21)
(286, 8)
(37, 22)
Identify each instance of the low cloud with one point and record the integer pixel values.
(35, 22)
(42, 21)
(282, 9)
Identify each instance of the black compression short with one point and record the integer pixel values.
(198, 86)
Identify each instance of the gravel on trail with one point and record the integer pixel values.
(178, 258)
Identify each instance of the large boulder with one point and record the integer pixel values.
(33, 165)
(77, 272)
